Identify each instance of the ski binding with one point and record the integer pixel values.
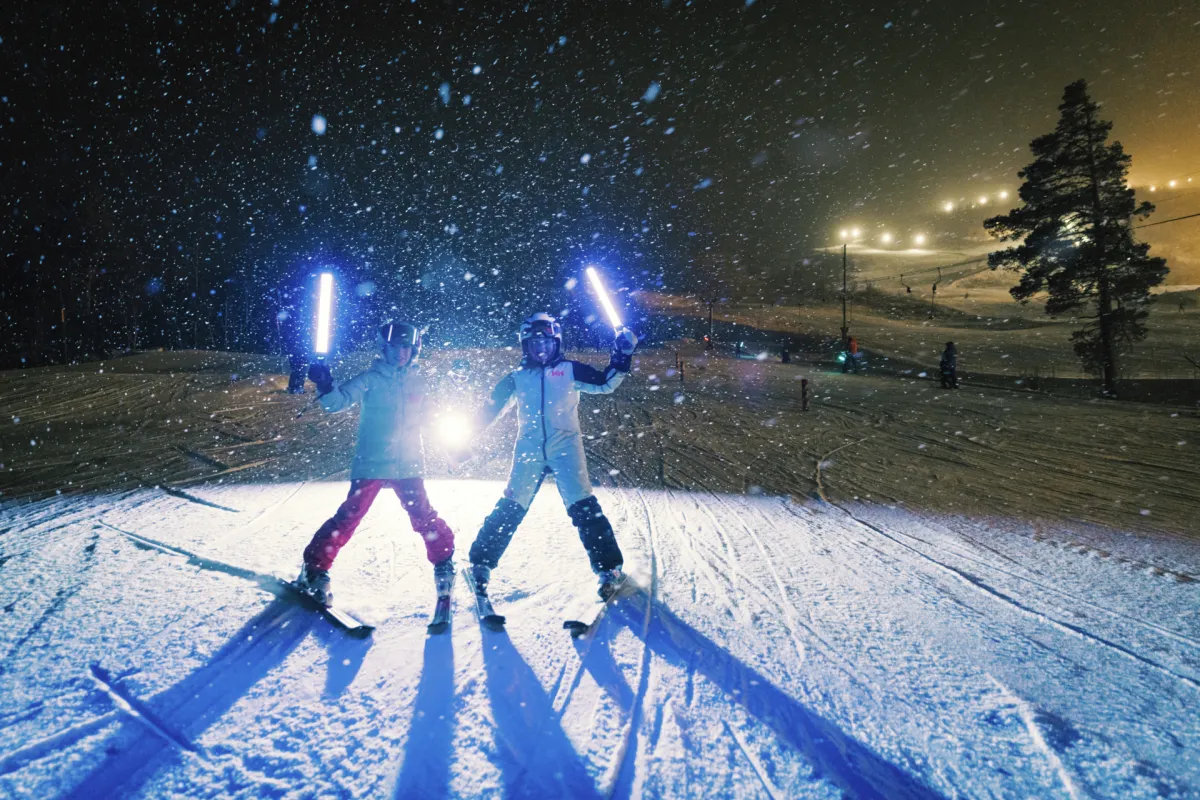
(580, 628)
(483, 606)
(339, 618)
(441, 616)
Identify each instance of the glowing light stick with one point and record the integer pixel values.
(594, 277)
(324, 312)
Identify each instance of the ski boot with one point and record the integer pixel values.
(443, 581)
(315, 583)
(443, 577)
(478, 579)
(611, 581)
(480, 575)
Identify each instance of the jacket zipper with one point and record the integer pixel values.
(403, 406)
(545, 457)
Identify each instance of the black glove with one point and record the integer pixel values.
(626, 342)
(320, 375)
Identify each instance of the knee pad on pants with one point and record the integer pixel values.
(497, 532)
(596, 533)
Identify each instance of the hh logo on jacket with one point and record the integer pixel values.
(557, 373)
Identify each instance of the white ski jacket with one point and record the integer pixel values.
(548, 435)
(394, 403)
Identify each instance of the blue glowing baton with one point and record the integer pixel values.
(594, 278)
(324, 313)
(324, 317)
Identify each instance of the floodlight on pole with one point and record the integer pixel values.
(324, 313)
(594, 278)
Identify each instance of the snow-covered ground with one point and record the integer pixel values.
(901, 592)
(789, 649)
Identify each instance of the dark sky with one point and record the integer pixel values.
(517, 141)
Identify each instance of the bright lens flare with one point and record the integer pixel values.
(919, 239)
(324, 311)
(594, 278)
(947, 206)
(454, 429)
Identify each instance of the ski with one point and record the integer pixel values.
(483, 606)
(581, 628)
(341, 619)
(441, 616)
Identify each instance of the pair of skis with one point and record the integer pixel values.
(578, 628)
(440, 622)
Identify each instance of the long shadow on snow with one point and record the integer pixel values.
(535, 756)
(427, 755)
(834, 754)
(195, 703)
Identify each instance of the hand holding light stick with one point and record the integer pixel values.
(324, 317)
(623, 333)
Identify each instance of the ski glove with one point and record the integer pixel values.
(626, 342)
(320, 375)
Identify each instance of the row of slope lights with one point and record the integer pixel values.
(982, 200)
(856, 234)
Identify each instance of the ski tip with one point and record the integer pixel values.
(361, 631)
(494, 622)
(434, 628)
(576, 627)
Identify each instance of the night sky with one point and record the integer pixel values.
(150, 152)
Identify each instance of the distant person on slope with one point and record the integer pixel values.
(949, 367)
(394, 399)
(545, 388)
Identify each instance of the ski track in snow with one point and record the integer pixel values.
(785, 650)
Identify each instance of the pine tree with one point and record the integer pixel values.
(1076, 233)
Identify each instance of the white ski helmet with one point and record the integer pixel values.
(400, 334)
(540, 324)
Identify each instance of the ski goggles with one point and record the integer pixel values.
(541, 328)
(399, 334)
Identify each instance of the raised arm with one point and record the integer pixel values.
(589, 380)
(342, 397)
(502, 397)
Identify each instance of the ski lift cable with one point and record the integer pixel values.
(970, 261)
(1165, 221)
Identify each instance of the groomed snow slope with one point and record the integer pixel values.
(789, 649)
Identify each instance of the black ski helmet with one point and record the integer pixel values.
(540, 325)
(400, 334)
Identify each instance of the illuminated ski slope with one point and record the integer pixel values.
(788, 650)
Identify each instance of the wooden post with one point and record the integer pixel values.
(804, 394)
